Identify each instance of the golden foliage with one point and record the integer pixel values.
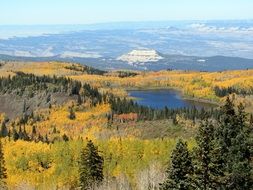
(191, 83)
(45, 166)
(39, 68)
(58, 118)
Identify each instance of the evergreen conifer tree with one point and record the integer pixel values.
(4, 131)
(178, 174)
(33, 132)
(79, 100)
(25, 135)
(234, 142)
(206, 166)
(238, 167)
(20, 133)
(72, 114)
(251, 121)
(90, 167)
(15, 135)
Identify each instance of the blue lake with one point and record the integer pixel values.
(165, 97)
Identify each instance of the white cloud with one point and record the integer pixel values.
(70, 54)
(235, 46)
(214, 29)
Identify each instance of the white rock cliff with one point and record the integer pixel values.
(141, 56)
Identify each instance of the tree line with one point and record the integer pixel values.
(86, 69)
(121, 106)
(225, 91)
(29, 83)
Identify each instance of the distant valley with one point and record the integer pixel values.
(191, 45)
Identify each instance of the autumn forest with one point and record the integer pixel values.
(69, 126)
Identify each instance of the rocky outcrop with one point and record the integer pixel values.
(141, 56)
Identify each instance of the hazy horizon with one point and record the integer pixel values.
(110, 29)
(45, 12)
(20, 30)
(129, 21)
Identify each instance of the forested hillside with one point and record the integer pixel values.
(57, 117)
(212, 86)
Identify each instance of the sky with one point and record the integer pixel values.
(41, 12)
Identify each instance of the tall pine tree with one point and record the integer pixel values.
(239, 155)
(251, 121)
(90, 167)
(178, 174)
(234, 142)
(206, 167)
(72, 114)
(3, 130)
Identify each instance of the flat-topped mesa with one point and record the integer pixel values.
(141, 56)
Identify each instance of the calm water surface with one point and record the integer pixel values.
(165, 97)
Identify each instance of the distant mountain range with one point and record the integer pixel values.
(162, 62)
(194, 45)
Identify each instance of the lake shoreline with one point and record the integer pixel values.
(183, 96)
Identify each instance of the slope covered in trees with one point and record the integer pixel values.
(211, 86)
(221, 159)
(62, 111)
